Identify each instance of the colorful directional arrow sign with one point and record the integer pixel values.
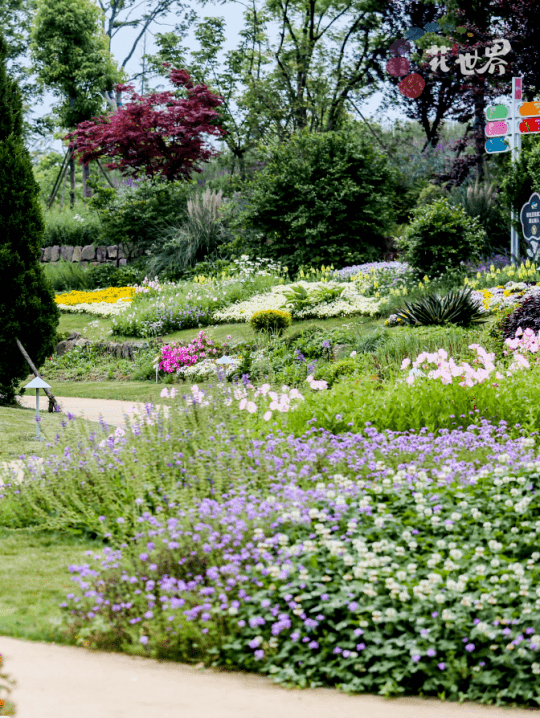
(496, 129)
(530, 109)
(497, 144)
(497, 112)
(530, 125)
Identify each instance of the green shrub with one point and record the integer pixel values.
(321, 198)
(331, 373)
(454, 308)
(271, 320)
(440, 238)
(27, 305)
(71, 228)
(135, 216)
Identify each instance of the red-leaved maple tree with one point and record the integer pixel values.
(155, 135)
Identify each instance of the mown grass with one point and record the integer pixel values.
(34, 580)
(144, 391)
(99, 328)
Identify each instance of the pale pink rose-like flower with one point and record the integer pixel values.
(165, 393)
(405, 363)
(268, 416)
(251, 407)
(243, 403)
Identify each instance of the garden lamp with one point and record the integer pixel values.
(37, 384)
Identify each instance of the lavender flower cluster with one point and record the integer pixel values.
(388, 562)
(172, 318)
(399, 269)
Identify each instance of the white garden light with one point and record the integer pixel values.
(37, 384)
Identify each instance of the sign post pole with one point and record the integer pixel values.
(517, 87)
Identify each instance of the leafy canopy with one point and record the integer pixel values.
(160, 135)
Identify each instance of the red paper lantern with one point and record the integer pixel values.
(398, 66)
(412, 86)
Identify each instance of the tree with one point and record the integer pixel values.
(27, 304)
(159, 135)
(320, 198)
(228, 75)
(72, 58)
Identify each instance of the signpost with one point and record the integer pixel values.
(530, 109)
(530, 223)
(530, 125)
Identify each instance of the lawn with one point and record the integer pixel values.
(144, 391)
(34, 580)
(18, 429)
(99, 328)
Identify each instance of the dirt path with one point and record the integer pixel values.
(112, 410)
(68, 682)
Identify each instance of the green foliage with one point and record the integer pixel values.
(136, 216)
(457, 307)
(6, 684)
(27, 305)
(66, 276)
(198, 238)
(271, 320)
(298, 297)
(319, 199)
(441, 237)
(482, 200)
(71, 55)
(70, 228)
(387, 348)
(331, 373)
(426, 404)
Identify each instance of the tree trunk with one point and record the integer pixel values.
(72, 181)
(87, 192)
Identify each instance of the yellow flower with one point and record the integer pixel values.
(109, 296)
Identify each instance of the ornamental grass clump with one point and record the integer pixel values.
(380, 562)
(272, 321)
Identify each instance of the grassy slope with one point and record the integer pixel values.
(98, 328)
(126, 390)
(34, 580)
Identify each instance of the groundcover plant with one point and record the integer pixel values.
(352, 566)
(374, 561)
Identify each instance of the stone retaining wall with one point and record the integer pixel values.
(85, 255)
(125, 350)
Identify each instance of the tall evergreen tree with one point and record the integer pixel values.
(27, 308)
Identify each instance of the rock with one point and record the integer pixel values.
(76, 254)
(83, 342)
(121, 253)
(88, 253)
(101, 254)
(112, 252)
(74, 335)
(122, 262)
(66, 253)
(55, 254)
(46, 254)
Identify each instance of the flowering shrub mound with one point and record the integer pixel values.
(175, 358)
(379, 562)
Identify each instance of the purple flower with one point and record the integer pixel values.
(313, 645)
(416, 657)
(149, 614)
(143, 640)
(431, 652)
(470, 647)
(360, 646)
(259, 655)
(441, 666)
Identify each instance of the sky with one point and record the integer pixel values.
(233, 14)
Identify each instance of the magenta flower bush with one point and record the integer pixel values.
(173, 358)
(382, 562)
